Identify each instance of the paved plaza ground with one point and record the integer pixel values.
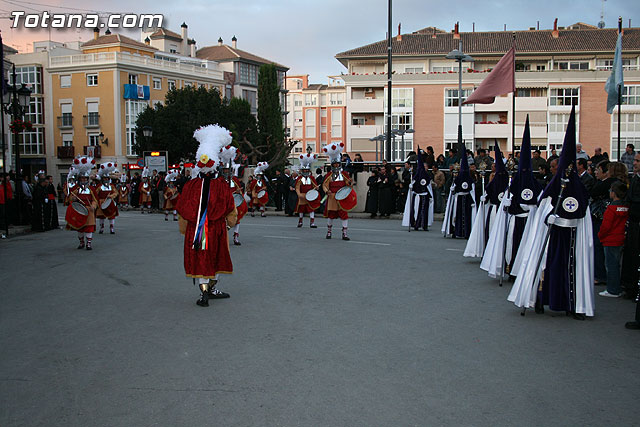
(390, 329)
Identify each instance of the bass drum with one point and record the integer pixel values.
(241, 205)
(263, 197)
(313, 198)
(347, 198)
(109, 208)
(76, 216)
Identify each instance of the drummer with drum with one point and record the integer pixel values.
(123, 193)
(341, 197)
(258, 188)
(107, 194)
(227, 165)
(80, 214)
(69, 186)
(307, 190)
(170, 195)
(145, 191)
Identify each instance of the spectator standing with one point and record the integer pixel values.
(135, 190)
(438, 187)
(373, 182)
(537, 160)
(429, 157)
(483, 157)
(598, 156)
(581, 154)
(599, 201)
(292, 196)
(5, 197)
(628, 156)
(584, 175)
(553, 156)
(631, 258)
(278, 184)
(320, 181)
(358, 166)
(440, 162)
(385, 193)
(611, 236)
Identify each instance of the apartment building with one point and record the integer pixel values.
(555, 69)
(241, 71)
(317, 113)
(86, 99)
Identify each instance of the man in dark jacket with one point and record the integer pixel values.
(631, 256)
(588, 180)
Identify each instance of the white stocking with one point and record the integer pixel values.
(112, 222)
(101, 222)
(312, 215)
(301, 215)
(236, 229)
(345, 223)
(329, 222)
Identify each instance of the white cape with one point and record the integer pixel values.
(517, 263)
(406, 215)
(525, 289)
(493, 254)
(475, 244)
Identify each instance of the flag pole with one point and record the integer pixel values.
(619, 95)
(513, 103)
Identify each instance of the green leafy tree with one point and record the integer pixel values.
(274, 146)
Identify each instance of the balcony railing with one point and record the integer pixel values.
(94, 151)
(91, 121)
(66, 152)
(65, 121)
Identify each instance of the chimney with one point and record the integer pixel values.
(555, 33)
(220, 41)
(234, 42)
(456, 32)
(399, 35)
(147, 41)
(108, 32)
(183, 31)
(193, 48)
(184, 46)
(96, 33)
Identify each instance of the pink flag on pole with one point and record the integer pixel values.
(500, 80)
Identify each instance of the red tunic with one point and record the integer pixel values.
(237, 189)
(255, 189)
(302, 205)
(170, 198)
(215, 258)
(102, 195)
(145, 193)
(89, 200)
(332, 208)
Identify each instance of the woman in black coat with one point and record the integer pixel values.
(386, 193)
(372, 194)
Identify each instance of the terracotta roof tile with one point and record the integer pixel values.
(569, 41)
(163, 32)
(227, 53)
(116, 38)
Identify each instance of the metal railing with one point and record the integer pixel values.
(65, 121)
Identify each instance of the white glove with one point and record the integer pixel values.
(483, 198)
(46, 200)
(507, 202)
(411, 186)
(551, 219)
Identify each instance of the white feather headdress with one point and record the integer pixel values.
(306, 160)
(260, 168)
(334, 151)
(212, 139)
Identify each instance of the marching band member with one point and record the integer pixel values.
(107, 191)
(86, 198)
(145, 191)
(69, 185)
(304, 184)
(206, 209)
(170, 196)
(332, 183)
(257, 185)
(123, 192)
(229, 171)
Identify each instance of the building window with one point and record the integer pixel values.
(312, 145)
(248, 74)
(297, 132)
(631, 95)
(323, 99)
(298, 84)
(531, 93)
(558, 122)
(630, 122)
(451, 97)
(132, 108)
(402, 98)
(297, 101)
(310, 116)
(310, 131)
(133, 79)
(297, 116)
(402, 122)
(228, 90)
(30, 76)
(35, 112)
(623, 144)
(65, 81)
(572, 65)
(357, 121)
(310, 100)
(541, 67)
(94, 139)
(336, 123)
(564, 96)
(414, 70)
(336, 99)
(92, 80)
(607, 64)
(93, 119)
(157, 84)
(67, 139)
(32, 142)
(251, 97)
(171, 84)
(444, 69)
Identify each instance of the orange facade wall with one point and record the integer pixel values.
(428, 116)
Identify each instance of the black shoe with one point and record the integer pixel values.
(166, 219)
(328, 236)
(539, 308)
(175, 219)
(101, 231)
(112, 232)
(216, 294)
(89, 248)
(345, 238)
(81, 246)
(313, 226)
(632, 325)
(203, 301)
(236, 242)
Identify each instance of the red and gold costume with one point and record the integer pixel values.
(171, 196)
(88, 199)
(331, 186)
(145, 193)
(123, 194)
(303, 185)
(257, 185)
(213, 259)
(104, 192)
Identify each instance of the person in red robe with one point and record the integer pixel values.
(332, 183)
(227, 156)
(206, 209)
(305, 183)
(85, 196)
(107, 192)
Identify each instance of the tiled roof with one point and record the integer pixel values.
(227, 53)
(116, 38)
(163, 32)
(498, 42)
(315, 87)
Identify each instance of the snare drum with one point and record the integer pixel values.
(313, 199)
(241, 205)
(108, 208)
(76, 216)
(263, 197)
(347, 198)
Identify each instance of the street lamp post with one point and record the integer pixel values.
(460, 58)
(15, 101)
